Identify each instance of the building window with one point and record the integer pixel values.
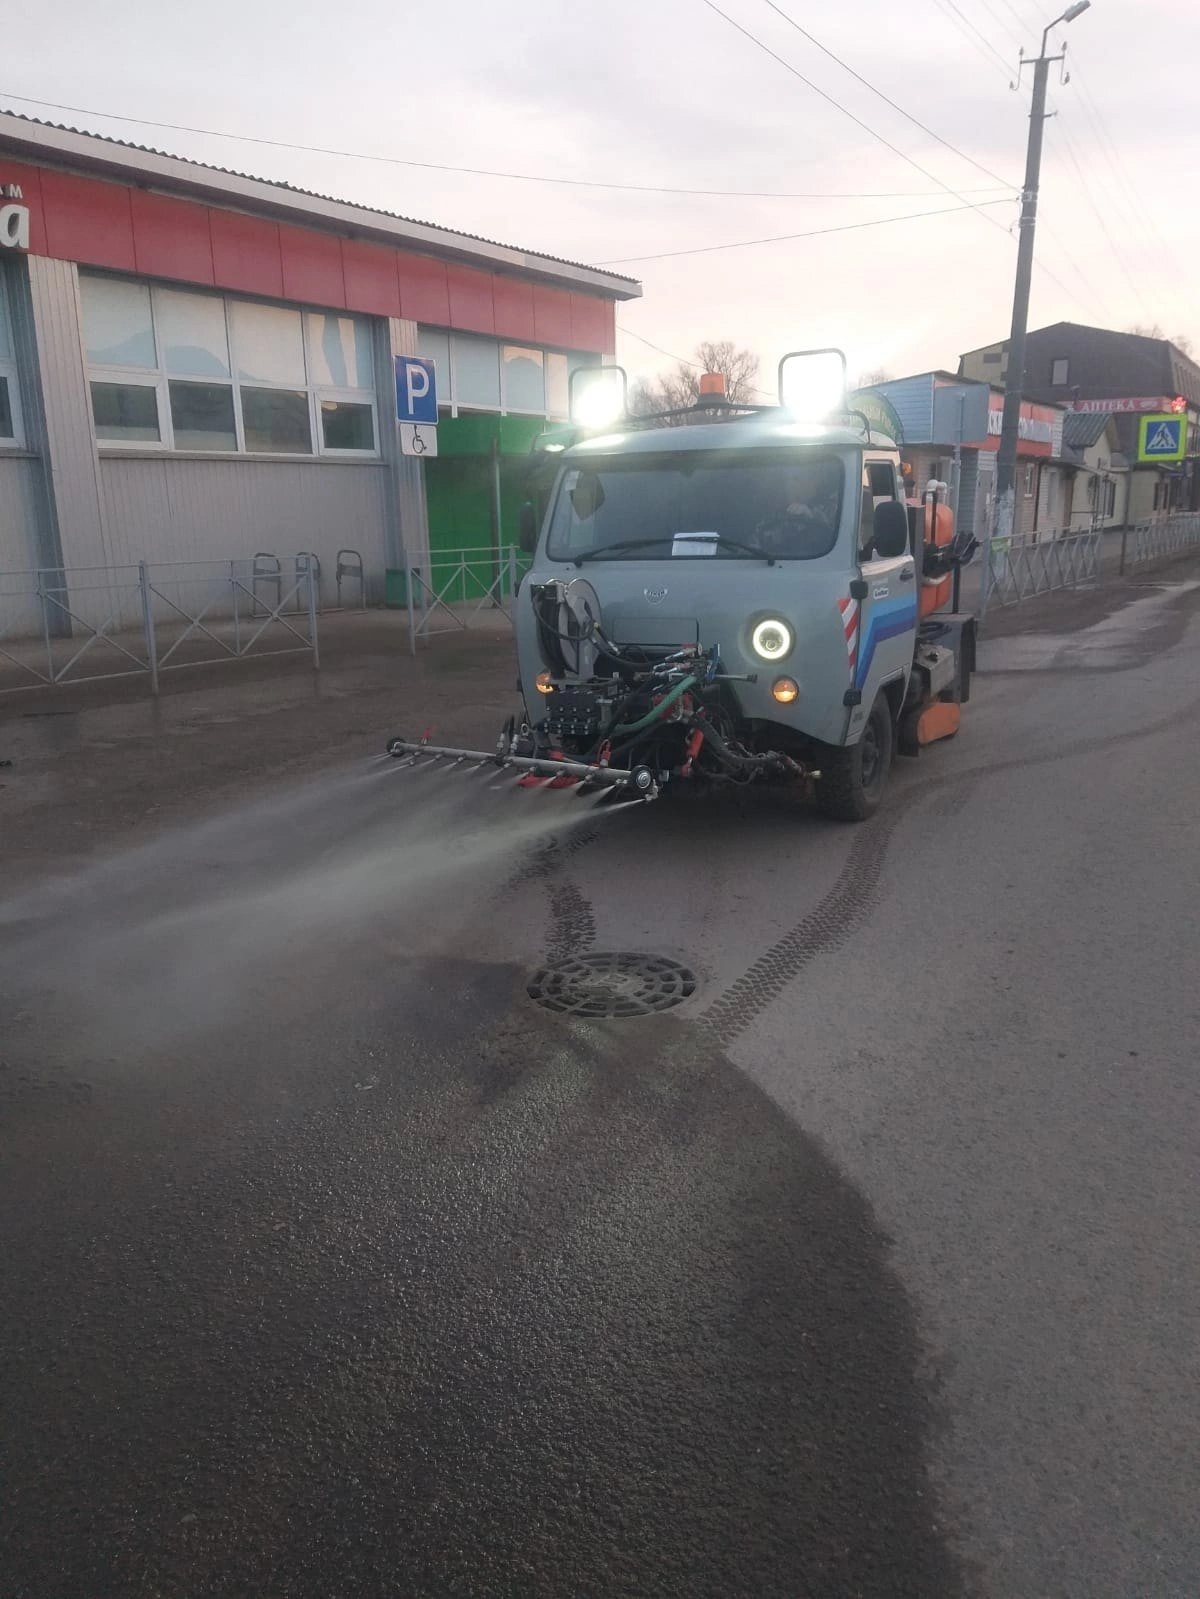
(11, 432)
(126, 411)
(1058, 372)
(478, 374)
(991, 357)
(1029, 482)
(523, 379)
(201, 372)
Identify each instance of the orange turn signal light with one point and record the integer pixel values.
(785, 690)
(543, 683)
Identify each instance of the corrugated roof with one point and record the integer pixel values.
(451, 234)
(1082, 429)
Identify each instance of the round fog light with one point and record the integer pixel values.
(543, 684)
(771, 640)
(785, 690)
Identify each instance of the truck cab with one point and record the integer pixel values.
(777, 552)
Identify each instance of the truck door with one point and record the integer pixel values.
(887, 600)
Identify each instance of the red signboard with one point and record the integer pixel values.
(1145, 402)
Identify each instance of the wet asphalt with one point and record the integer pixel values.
(334, 1267)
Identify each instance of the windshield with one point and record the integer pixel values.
(717, 505)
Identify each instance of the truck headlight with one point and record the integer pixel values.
(771, 639)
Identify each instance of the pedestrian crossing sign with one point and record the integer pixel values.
(1162, 437)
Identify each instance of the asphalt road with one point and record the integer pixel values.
(333, 1267)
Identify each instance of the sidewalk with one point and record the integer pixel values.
(95, 766)
(91, 764)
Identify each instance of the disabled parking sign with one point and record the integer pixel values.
(1162, 437)
(416, 390)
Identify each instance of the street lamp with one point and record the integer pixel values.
(1006, 459)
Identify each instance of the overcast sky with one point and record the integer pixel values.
(667, 92)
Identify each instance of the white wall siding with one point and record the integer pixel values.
(170, 508)
(64, 403)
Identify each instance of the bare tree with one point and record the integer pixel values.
(677, 389)
(877, 374)
(1153, 330)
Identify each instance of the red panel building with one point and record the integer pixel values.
(196, 364)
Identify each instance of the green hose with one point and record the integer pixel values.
(625, 728)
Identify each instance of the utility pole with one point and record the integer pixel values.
(1014, 382)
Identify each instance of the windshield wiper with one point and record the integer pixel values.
(613, 549)
(749, 549)
(644, 544)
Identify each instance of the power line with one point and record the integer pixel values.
(486, 172)
(796, 73)
(1021, 21)
(1004, 26)
(658, 349)
(830, 100)
(1098, 300)
(887, 100)
(973, 38)
(784, 238)
(982, 37)
(1116, 160)
(671, 356)
(1099, 214)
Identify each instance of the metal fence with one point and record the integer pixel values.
(455, 589)
(66, 626)
(1024, 565)
(1161, 538)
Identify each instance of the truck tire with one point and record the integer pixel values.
(854, 776)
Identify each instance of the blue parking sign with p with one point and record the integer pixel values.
(416, 390)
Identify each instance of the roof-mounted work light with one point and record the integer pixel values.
(597, 395)
(812, 383)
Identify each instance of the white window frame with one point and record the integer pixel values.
(1064, 362)
(351, 397)
(131, 377)
(447, 376)
(160, 380)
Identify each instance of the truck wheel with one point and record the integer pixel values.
(853, 776)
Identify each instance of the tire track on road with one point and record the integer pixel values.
(830, 924)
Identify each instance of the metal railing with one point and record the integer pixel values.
(1160, 538)
(65, 626)
(453, 589)
(1020, 567)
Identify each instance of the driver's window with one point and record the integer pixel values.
(879, 483)
(866, 519)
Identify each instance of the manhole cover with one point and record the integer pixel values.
(622, 984)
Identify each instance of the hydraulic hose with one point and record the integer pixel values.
(623, 729)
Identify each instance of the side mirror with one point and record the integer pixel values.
(528, 528)
(890, 530)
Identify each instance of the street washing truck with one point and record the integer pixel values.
(727, 595)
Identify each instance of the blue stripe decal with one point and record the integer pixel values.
(887, 619)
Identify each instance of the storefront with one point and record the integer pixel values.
(951, 433)
(196, 365)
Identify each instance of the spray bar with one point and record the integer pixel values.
(638, 779)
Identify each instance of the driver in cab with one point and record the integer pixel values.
(803, 528)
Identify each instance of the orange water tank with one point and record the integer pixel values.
(939, 532)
